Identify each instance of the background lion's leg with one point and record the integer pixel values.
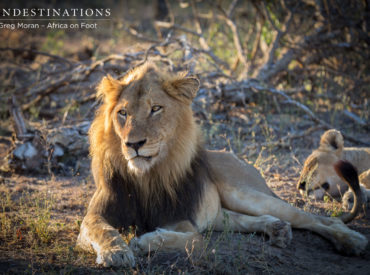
(364, 178)
(111, 250)
(279, 232)
(167, 240)
(348, 198)
(257, 204)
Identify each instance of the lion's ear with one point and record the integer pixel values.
(108, 89)
(183, 89)
(332, 140)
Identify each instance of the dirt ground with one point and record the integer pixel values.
(226, 253)
(41, 211)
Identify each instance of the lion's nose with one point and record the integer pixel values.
(136, 145)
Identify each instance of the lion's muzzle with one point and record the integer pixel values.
(136, 145)
(141, 155)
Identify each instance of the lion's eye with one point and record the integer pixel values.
(122, 113)
(156, 108)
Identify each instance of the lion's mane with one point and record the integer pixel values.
(172, 190)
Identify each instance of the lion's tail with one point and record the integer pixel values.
(348, 173)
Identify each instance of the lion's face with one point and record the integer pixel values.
(148, 114)
(145, 119)
(318, 176)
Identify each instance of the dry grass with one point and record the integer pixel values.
(35, 226)
(40, 219)
(40, 215)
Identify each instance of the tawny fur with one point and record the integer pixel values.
(106, 144)
(147, 154)
(318, 169)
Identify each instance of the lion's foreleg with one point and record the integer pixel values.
(279, 232)
(96, 234)
(257, 204)
(167, 239)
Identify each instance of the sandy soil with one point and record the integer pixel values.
(227, 253)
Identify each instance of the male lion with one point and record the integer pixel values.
(152, 172)
(318, 176)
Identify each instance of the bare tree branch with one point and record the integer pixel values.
(205, 48)
(280, 33)
(231, 9)
(265, 74)
(236, 37)
(257, 87)
(202, 41)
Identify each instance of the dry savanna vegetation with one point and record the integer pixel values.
(274, 76)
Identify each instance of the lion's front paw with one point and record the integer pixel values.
(147, 242)
(116, 256)
(135, 247)
(280, 233)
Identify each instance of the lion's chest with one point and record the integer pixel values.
(126, 206)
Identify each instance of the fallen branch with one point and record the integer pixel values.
(38, 53)
(18, 120)
(355, 118)
(255, 86)
(78, 74)
(284, 141)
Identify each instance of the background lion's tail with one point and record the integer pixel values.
(348, 173)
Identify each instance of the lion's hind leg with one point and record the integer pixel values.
(257, 204)
(348, 198)
(364, 178)
(345, 240)
(279, 232)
